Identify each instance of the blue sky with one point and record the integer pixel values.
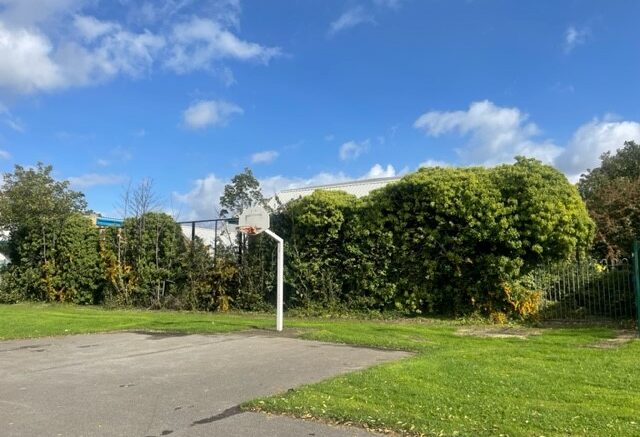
(189, 92)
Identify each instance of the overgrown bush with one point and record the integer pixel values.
(316, 246)
(52, 247)
(439, 241)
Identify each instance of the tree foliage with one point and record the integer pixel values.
(612, 195)
(242, 193)
(52, 247)
(315, 245)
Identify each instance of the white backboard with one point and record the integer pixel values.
(256, 216)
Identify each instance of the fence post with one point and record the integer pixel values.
(636, 280)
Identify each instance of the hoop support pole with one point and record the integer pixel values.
(280, 281)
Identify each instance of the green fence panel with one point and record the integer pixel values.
(636, 280)
(588, 289)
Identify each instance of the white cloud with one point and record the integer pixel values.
(393, 4)
(14, 124)
(350, 18)
(11, 121)
(117, 155)
(32, 12)
(93, 179)
(593, 139)
(122, 154)
(53, 45)
(31, 63)
(352, 149)
(199, 43)
(149, 12)
(574, 37)
(26, 64)
(495, 134)
(91, 28)
(206, 113)
(434, 163)
(264, 157)
(329, 137)
(378, 171)
(204, 198)
(4, 154)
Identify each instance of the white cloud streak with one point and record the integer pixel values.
(4, 154)
(209, 113)
(352, 150)
(392, 4)
(265, 157)
(199, 43)
(350, 18)
(94, 179)
(7, 118)
(574, 37)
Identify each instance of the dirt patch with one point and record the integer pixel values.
(497, 332)
(622, 337)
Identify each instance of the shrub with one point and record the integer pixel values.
(313, 229)
(143, 260)
(439, 241)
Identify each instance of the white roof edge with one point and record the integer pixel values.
(342, 184)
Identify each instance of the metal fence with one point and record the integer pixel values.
(215, 233)
(587, 290)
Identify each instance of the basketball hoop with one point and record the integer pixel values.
(248, 230)
(254, 221)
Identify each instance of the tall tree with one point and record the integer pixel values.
(240, 194)
(53, 249)
(612, 194)
(32, 201)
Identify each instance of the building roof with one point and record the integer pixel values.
(358, 188)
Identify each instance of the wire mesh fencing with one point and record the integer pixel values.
(216, 234)
(587, 289)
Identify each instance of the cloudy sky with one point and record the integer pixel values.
(189, 92)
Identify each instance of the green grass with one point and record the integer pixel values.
(40, 320)
(550, 384)
(546, 385)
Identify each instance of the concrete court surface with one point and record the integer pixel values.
(152, 384)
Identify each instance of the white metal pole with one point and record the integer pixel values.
(280, 282)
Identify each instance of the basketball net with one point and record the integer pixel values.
(248, 230)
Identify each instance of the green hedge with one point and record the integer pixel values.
(439, 241)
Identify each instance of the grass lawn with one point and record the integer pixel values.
(40, 320)
(552, 383)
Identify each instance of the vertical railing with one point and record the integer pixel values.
(636, 280)
(588, 289)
